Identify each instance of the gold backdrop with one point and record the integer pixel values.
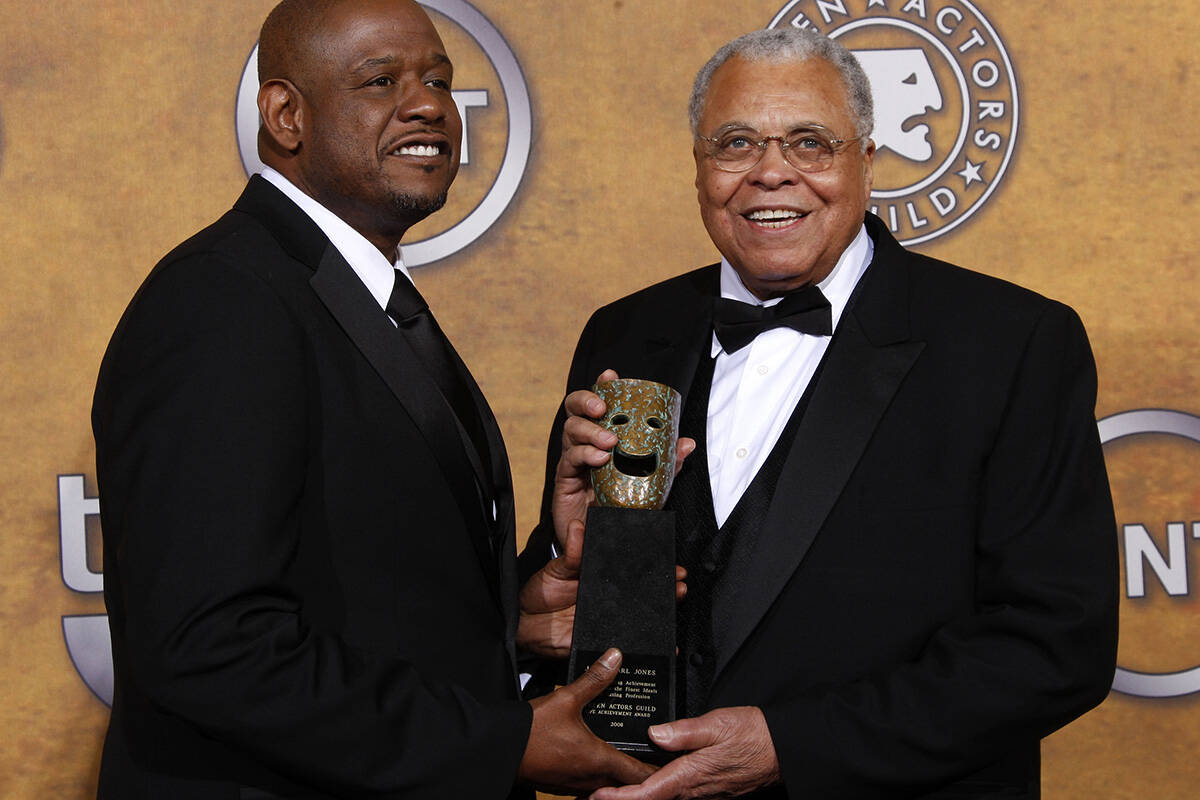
(118, 140)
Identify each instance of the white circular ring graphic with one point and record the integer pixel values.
(516, 153)
(1171, 423)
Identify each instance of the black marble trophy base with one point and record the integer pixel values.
(627, 600)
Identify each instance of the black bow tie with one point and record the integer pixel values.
(737, 323)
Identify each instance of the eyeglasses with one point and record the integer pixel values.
(808, 149)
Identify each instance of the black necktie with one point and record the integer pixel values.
(411, 313)
(737, 323)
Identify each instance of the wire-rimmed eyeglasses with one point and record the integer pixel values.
(809, 149)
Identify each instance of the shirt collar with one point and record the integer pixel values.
(837, 286)
(372, 268)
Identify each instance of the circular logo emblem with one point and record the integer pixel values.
(493, 97)
(945, 104)
(1174, 424)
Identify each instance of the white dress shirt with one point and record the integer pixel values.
(755, 390)
(372, 267)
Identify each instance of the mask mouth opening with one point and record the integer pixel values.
(635, 466)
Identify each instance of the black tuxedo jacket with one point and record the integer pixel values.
(307, 591)
(934, 587)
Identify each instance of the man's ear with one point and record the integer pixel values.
(869, 168)
(280, 106)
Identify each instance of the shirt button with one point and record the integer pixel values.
(696, 659)
(709, 566)
(763, 369)
(741, 452)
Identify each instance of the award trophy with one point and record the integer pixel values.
(627, 579)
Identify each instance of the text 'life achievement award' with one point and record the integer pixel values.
(627, 579)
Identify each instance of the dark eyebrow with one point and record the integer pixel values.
(375, 63)
(386, 61)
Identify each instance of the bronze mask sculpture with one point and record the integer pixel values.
(645, 417)
(627, 579)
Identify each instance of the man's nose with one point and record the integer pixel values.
(773, 169)
(420, 103)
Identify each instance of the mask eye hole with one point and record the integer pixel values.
(619, 419)
(654, 422)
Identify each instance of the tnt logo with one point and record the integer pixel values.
(1157, 498)
(1142, 552)
(945, 104)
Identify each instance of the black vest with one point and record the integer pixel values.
(712, 555)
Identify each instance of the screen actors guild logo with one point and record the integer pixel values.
(945, 104)
(499, 175)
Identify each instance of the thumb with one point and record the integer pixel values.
(684, 447)
(573, 552)
(566, 566)
(685, 734)
(597, 678)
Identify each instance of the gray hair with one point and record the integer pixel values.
(790, 44)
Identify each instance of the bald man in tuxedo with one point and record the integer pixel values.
(307, 511)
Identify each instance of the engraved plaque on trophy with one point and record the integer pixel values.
(627, 579)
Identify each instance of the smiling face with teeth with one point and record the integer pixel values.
(365, 123)
(781, 228)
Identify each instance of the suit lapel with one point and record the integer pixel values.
(867, 360)
(387, 351)
(673, 350)
(485, 474)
